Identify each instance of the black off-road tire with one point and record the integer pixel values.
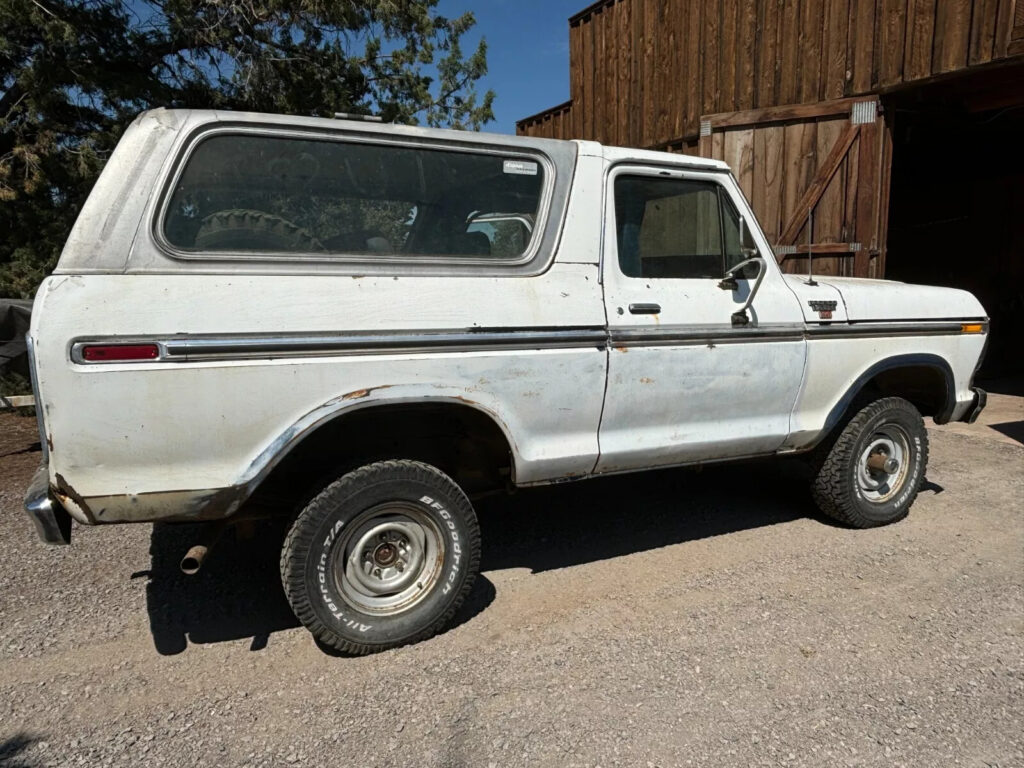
(330, 525)
(836, 488)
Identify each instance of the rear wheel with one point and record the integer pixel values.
(870, 474)
(382, 557)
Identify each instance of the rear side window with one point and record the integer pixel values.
(253, 195)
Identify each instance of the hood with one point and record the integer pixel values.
(867, 299)
(817, 297)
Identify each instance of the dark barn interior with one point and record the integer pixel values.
(956, 214)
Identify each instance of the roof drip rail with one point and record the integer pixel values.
(363, 118)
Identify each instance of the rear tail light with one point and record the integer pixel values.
(102, 353)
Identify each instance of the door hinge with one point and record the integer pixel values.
(864, 112)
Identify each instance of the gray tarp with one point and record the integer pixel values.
(14, 317)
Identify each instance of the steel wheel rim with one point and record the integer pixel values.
(389, 560)
(883, 465)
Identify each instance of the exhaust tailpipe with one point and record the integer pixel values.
(196, 555)
(193, 559)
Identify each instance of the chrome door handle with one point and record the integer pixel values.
(645, 309)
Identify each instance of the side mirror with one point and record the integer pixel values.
(740, 316)
(748, 249)
(747, 245)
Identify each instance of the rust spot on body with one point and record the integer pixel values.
(646, 380)
(359, 394)
(64, 489)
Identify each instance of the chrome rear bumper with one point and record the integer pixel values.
(53, 523)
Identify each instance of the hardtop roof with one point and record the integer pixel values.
(477, 138)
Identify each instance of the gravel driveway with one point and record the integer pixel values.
(671, 618)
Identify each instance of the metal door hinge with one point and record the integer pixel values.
(864, 112)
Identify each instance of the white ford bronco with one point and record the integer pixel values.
(371, 325)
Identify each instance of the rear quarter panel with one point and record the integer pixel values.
(137, 428)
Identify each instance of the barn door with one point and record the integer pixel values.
(832, 159)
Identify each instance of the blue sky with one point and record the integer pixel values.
(527, 53)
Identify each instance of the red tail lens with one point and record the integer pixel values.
(105, 352)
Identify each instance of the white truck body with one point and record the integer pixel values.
(255, 353)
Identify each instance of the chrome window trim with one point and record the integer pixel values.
(682, 171)
(183, 154)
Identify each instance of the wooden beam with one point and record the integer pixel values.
(782, 114)
(824, 175)
(869, 158)
(16, 401)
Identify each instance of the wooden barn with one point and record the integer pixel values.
(899, 123)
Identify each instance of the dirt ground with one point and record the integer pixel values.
(673, 618)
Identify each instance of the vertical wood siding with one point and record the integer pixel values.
(791, 159)
(642, 72)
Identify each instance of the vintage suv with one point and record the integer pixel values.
(365, 326)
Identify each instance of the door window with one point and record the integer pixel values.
(675, 228)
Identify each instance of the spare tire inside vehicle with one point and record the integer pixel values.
(243, 229)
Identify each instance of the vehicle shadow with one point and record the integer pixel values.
(1012, 429)
(238, 593)
(571, 524)
(11, 749)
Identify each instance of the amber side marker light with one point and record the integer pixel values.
(972, 328)
(102, 353)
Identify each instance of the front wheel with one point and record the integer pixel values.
(382, 557)
(872, 472)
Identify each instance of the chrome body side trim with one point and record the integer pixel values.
(862, 329)
(686, 335)
(330, 344)
(216, 347)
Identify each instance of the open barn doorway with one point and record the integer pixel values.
(956, 213)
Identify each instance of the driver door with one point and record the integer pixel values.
(685, 384)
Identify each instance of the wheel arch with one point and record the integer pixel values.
(437, 430)
(926, 380)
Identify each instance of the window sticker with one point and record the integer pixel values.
(520, 167)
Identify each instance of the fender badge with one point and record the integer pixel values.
(823, 308)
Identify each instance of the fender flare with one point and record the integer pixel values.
(916, 360)
(279, 448)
